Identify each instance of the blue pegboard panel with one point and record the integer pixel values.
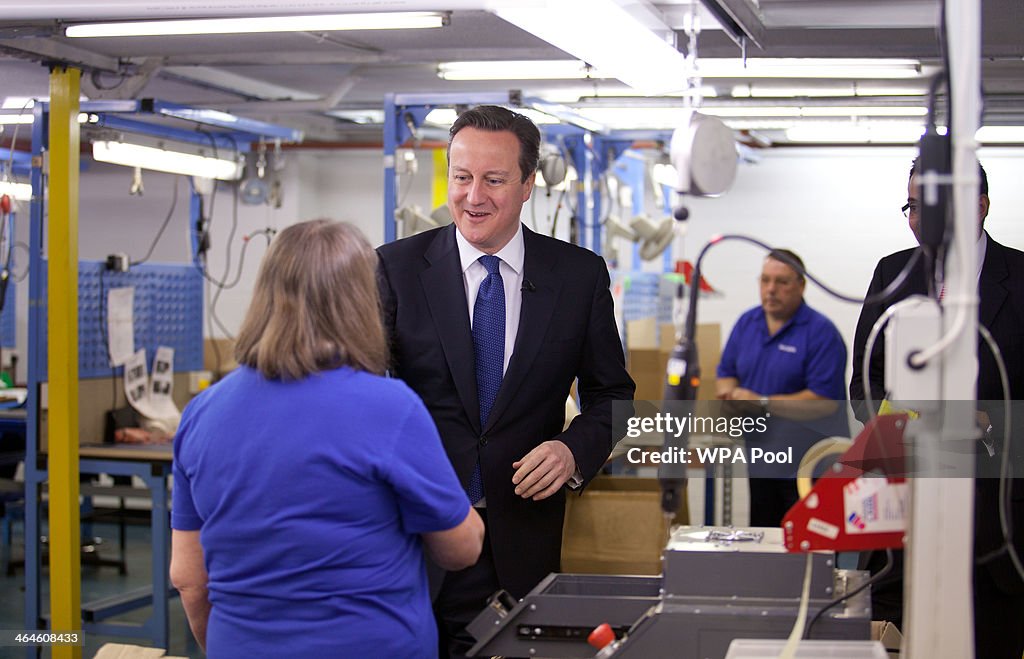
(647, 295)
(7, 320)
(168, 311)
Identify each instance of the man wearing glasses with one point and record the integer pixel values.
(998, 590)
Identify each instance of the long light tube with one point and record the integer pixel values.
(19, 191)
(174, 162)
(568, 69)
(768, 67)
(324, 23)
(605, 35)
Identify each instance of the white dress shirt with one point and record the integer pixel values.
(511, 269)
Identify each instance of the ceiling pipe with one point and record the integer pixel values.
(325, 104)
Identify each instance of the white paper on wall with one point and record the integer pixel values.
(153, 397)
(120, 325)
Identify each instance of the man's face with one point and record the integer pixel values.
(782, 290)
(914, 195)
(485, 188)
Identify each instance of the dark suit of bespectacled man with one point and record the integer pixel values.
(998, 591)
(559, 327)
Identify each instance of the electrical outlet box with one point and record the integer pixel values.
(199, 380)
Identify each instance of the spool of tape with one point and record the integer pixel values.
(823, 449)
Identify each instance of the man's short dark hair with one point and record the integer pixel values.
(496, 118)
(982, 176)
(790, 258)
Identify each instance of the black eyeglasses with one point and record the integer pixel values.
(909, 208)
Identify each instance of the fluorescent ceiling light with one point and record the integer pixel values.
(1000, 134)
(591, 96)
(664, 118)
(359, 116)
(766, 67)
(850, 89)
(447, 116)
(856, 133)
(18, 191)
(565, 69)
(324, 23)
(862, 111)
(163, 160)
(19, 117)
(606, 36)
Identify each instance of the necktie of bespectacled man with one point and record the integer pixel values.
(488, 350)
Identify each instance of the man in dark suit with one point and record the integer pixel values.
(501, 416)
(998, 591)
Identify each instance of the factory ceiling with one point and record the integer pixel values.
(331, 84)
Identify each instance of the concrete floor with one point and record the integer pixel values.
(98, 582)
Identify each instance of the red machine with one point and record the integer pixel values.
(863, 501)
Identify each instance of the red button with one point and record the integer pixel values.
(601, 636)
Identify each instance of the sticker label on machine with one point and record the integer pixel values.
(874, 505)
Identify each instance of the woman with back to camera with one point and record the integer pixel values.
(306, 485)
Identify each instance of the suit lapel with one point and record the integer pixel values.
(990, 286)
(535, 315)
(446, 296)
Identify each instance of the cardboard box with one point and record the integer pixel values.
(123, 651)
(648, 349)
(889, 635)
(617, 527)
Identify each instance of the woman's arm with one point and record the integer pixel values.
(188, 574)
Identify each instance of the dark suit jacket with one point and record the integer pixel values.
(1001, 310)
(566, 330)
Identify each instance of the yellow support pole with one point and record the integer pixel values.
(62, 344)
(439, 183)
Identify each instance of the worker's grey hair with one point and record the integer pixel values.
(315, 306)
(496, 118)
(790, 258)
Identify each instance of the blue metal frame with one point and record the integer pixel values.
(237, 134)
(155, 475)
(21, 162)
(34, 475)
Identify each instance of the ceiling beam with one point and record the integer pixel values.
(48, 50)
(739, 19)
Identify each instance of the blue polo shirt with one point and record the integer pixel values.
(807, 353)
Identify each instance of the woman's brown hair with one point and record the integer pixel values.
(315, 305)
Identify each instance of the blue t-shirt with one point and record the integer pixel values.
(807, 353)
(310, 497)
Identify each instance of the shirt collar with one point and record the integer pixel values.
(982, 249)
(801, 317)
(513, 253)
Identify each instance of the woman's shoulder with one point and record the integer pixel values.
(372, 386)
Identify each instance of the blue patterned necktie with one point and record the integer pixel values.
(489, 351)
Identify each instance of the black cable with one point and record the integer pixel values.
(220, 284)
(881, 296)
(408, 187)
(160, 233)
(269, 233)
(558, 209)
(870, 582)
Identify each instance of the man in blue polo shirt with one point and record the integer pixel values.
(787, 361)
